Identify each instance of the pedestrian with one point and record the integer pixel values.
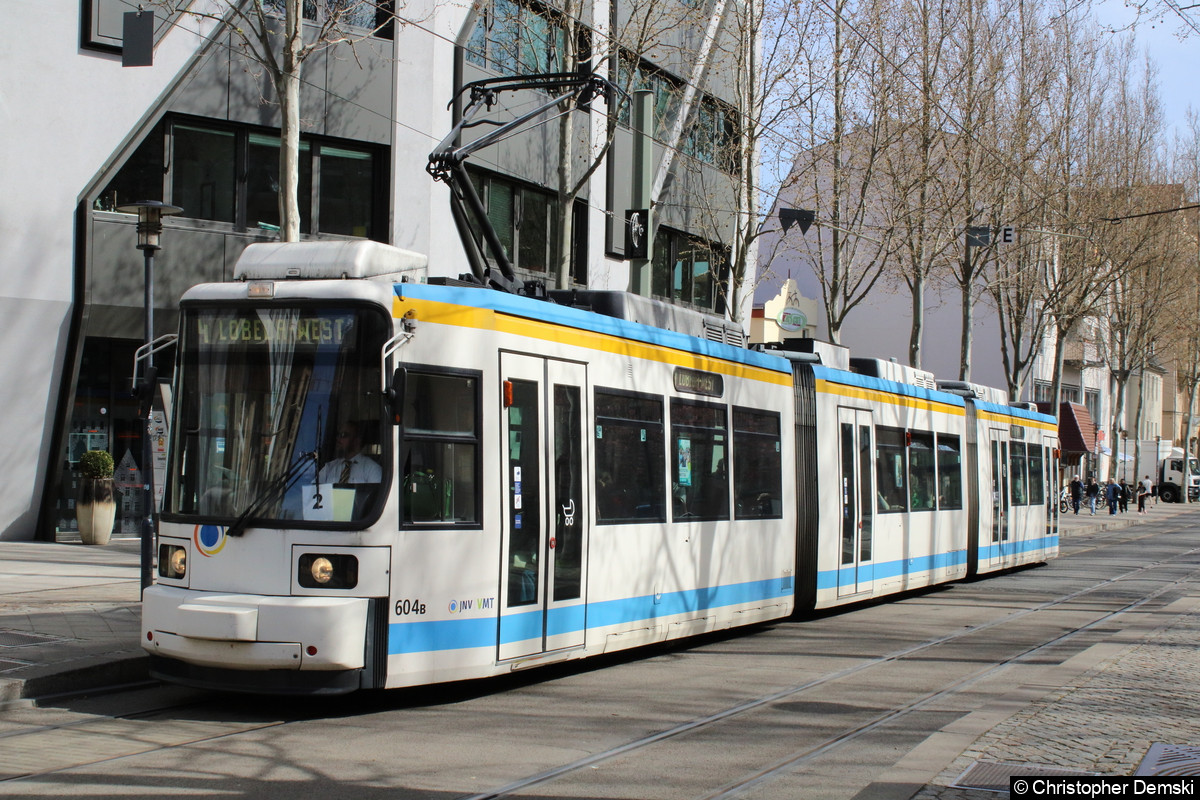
(1112, 494)
(1076, 494)
(1126, 496)
(1093, 493)
(1143, 492)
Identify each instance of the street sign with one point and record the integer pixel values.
(1008, 234)
(978, 236)
(637, 233)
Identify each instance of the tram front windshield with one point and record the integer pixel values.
(279, 415)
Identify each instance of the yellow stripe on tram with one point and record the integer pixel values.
(1008, 419)
(488, 319)
(875, 396)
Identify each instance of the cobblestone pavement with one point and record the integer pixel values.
(1105, 720)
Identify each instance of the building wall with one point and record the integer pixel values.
(61, 121)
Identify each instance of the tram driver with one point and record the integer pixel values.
(349, 463)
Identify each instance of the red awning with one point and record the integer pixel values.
(1076, 431)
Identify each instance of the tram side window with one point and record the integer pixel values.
(630, 459)
(1037, 476)
(1019, 481)
(757, 470)
(700, 480)
(440, 449)
(922, 474)
(891, 473)
(949, 467)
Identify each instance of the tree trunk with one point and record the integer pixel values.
(968, 320)
(566, 155)
(288, 89)
(917, 333)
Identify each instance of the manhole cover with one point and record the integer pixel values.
(22, 639)
(992, 776)
(1170, 759)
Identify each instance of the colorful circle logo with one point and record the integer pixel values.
(453, 606)
(209, 539)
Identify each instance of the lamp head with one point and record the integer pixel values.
(150, 214)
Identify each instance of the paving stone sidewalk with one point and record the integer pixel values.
(1138, 691)
(69, 618)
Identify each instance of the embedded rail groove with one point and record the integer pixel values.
(781, 766)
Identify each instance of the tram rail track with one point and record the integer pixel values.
(795, 759)
(762, 773)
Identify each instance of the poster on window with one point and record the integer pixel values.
(684, 451)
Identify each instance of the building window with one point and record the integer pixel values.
(1091, 399)
(513, 38)
(689, 270)
(374, 16)
(1041, 392)
(712, 136)
(262, 183)
(230, 174)
(525, 220)
(668, 92)
(204, 172)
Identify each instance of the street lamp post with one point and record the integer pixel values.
(149, 232)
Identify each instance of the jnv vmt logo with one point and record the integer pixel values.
(478, 604)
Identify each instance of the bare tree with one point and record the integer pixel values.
(922, 192)
(1188, 341)
(842, 71)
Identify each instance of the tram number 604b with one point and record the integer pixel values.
(406, 607)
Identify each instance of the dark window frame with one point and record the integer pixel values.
(956, 478)
(884, 436)
(313, 146)
(487, 181)
(488, 20)
(669, 246)
(407, 436)
(598, 491)
(756, 509)
(921, 498)
(721, 511)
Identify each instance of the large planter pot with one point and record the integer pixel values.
(96, 510)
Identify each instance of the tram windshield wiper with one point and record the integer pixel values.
(275, 489)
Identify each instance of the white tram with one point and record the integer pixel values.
(377, 484)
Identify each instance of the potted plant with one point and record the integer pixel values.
(96, 509)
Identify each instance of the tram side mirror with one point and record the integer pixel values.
(396, 395)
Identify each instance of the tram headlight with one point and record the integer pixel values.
(328, 571)
(172, 561)
(322, 570)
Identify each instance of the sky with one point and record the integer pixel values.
(1178, 59)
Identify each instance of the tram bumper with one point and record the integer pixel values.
(254, 632)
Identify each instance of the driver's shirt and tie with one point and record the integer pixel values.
(357, 469)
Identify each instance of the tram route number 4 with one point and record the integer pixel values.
(407, 607)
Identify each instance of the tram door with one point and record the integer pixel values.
(856, 567)
(544, 546)
(1001, 516)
